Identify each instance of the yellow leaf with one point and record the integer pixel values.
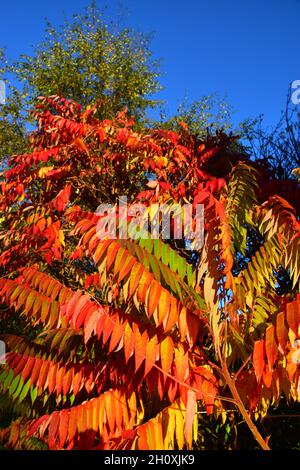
(44, 170)
(166, 353)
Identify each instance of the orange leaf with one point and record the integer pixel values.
(182, 323)
(81, 423)
(190, 414)
(36, 370)
(163, 305)
(111, 254)
(72, 423)
(152, 351)
(67, 380)
(267, 377)
(281, 330)
(166, 353)
(135, 277)
(117, 333)
(181, 362)
(52, 377)
(28, 367)
(43, 374)
(110, 411)
(141, 340)
(144, 284)
(271, 345)
(259, 358)
(173, 314)
(292, 316)
(154, 296)
(129, 341)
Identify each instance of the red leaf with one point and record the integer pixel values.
(53, 428)
(28, 367)
(63, 427)
(281, 330)
(129, 341)
(60, 201)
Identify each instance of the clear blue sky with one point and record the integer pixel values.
(246, 49)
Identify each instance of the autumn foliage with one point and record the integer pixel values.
(134, 338)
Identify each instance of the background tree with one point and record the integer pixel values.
(12, 123)
(279, 145)
(91, 59)
(205, 116)
(86, 60)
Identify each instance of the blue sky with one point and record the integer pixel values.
(247, 50)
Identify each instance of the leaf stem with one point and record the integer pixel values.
(230, 382)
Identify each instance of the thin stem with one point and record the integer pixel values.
(230, 382)
(242, 367)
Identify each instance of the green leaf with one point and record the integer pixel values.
(33, 394)
(19, 388)
(8, 379)
(24, 391)
(14, 385)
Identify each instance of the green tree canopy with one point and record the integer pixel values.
(87, 60)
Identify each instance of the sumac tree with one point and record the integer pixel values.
(133, 339)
